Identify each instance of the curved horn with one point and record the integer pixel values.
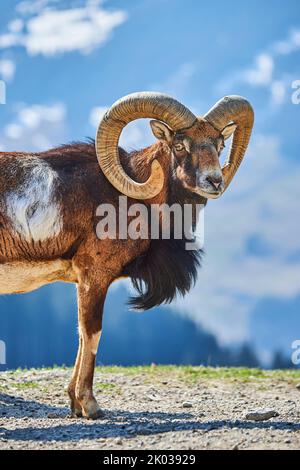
(238, 110)
(127, 109)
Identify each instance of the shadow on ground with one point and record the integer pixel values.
(116, 423)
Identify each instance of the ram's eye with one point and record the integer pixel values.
(179, 147)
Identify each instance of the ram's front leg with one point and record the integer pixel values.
(90, 309)
(75, 405)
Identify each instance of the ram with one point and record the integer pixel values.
(49, 203)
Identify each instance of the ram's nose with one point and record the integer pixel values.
(215, 180)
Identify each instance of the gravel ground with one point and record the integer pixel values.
(152, 408)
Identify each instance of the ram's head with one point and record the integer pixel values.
(195, 143)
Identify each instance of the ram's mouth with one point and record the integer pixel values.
(209, 192)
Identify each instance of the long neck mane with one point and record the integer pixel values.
(167, 268)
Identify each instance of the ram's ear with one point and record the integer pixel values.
(161, 131)
(228, 130)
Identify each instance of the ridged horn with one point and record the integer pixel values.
(135, 106)
(238, 110)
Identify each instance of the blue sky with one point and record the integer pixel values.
(64, 62)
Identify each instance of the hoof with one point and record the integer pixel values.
(89, 406)
(98, 414)
(76, 413)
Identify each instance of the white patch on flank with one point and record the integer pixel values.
(32, 208)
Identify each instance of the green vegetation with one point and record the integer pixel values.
(190, 374)
(24, 385)
(194, 374)
(241, 374)
(107, 387)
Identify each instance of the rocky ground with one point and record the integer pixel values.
(154, 408)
